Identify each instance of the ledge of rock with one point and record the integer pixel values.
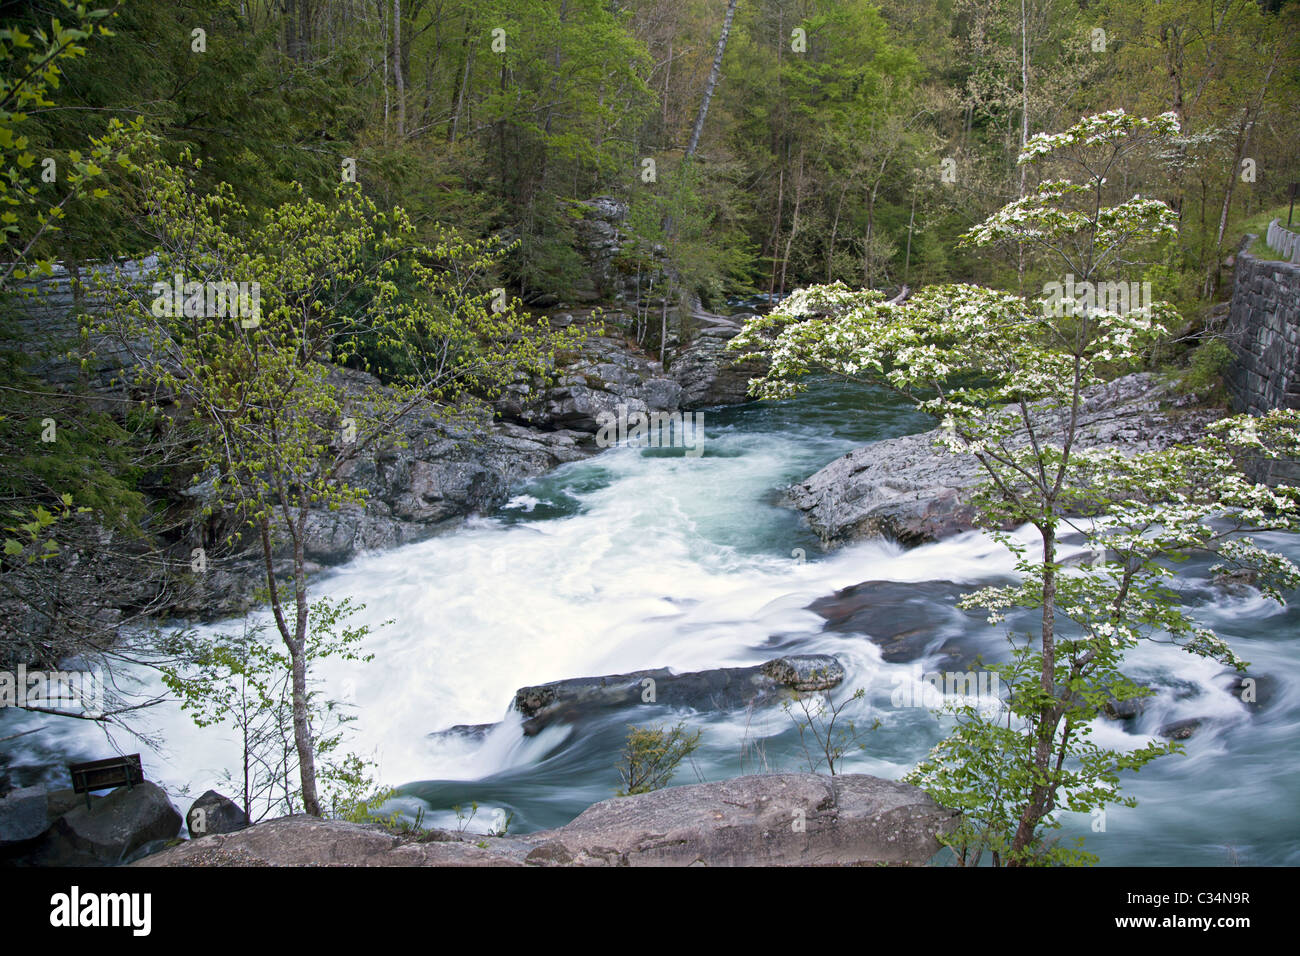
(770, 820)
(912, 490)
(719, 689)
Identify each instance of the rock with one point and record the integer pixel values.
(609, 372)
(912, 490)
(1238, 582)
(1253, 690)
(764, 820)
(751, 821)
(810, 672)
(723, 688)
(906, 620)
(22, 816)
(111, 829)
(710, 375)
(1181, 729)
(469, 731)
(1124, 709)
(213, 813)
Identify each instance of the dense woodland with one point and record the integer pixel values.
(822, 154)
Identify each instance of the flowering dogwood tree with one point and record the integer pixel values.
(1007, 376)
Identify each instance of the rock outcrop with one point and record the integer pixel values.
(707, 372)
(912, 490)
(764, 820)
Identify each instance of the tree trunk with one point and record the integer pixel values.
(794, 223)
(464, 83)
(1244, 129)
(835, 227)
(398, 78)
(712, 82)
(1042, 791)
(776, 231)
(663, 326)
(1024, 133)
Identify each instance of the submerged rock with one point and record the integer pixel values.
(789, 819)
(1181, 729)
(912, 490)
(906, 620)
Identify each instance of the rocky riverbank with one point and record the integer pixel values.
(791, 819)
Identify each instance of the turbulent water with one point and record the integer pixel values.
(644, 558)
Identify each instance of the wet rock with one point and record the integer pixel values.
(763, 820)
(1124, 709)
(710, 375)
(810, 672)
(1239, 582)
(912, 490)
(22, 815)
(470, 731)
(1253, 690)
(1181, 729)
(906, 620)
(723, 688)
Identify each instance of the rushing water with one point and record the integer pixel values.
(643, 558)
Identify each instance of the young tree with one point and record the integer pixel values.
(276, 426)
(1007, 377)
(244, 682)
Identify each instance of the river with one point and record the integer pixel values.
(642, 558)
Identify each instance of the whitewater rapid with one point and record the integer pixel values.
(643, 559)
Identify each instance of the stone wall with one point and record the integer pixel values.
(1263, 331)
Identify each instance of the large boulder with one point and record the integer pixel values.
(791, 819)
(111, 829)
(913, 490)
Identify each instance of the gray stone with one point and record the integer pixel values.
(1181, 729)
(708, 373)
(809, 672)
(214, 813)
(722, 688)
